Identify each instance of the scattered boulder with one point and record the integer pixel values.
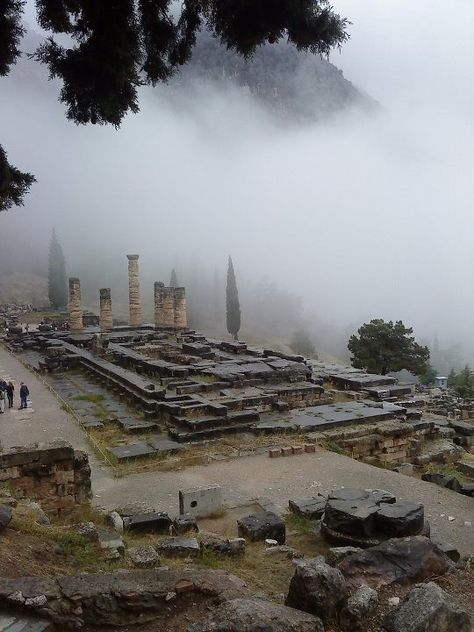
(428, 609)
(5, 516)
(263, 525)
(400, 519)
(224, 546)
(338, 553)
(40, 515)
(178, 547)
(143, 556)
(88, 530)
(257, 615)
(111, 542)
(450, 482)
(405, 468)
(360, 606)
(449, 549)
(317, 588)
(157, 522)
(396, 561)
(184, 524)
(312, 508)
(116, 521)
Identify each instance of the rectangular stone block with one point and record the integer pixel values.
(297, 449)
(286, 451)
(201, 502)
(274, 453)
(310, 447)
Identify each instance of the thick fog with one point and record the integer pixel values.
(363, 215)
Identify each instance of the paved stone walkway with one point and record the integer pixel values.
(43, 420)
(243, 479)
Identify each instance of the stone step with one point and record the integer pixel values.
(16, 623)
(210, 433)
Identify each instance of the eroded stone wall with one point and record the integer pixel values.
(55, 475)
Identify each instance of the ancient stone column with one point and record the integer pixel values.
(158, 294)
(75, 310)
(134, 291)
(168, 307)
(180, 312)
(106, 321)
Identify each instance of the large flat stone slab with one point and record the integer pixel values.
(131, 451)
(261, 526)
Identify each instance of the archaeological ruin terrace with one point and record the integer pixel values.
(146, 390)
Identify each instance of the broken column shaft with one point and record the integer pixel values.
(158, 295)
(75, 309)
(106, 320)
(134, 291)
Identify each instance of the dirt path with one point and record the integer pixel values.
(244, 479)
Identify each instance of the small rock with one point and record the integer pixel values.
(451, 518)
(338, 553)
(360, 606)
(270, 542)
(170, 596)
(36, 602)
(225, 546)
(394, 601)
(88, 530)
(5, 516)
(179, 547)
(41, 517)
(467, 523)
(16, 597)
(185, 523)
(115, 520)
(143, 556)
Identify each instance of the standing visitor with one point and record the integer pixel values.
(2, 401)
(10, 391)
(24, 392)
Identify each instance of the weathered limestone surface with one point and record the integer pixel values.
(119, 598)
(168, 307)
(159, 296)
(134, 291)
(106, 320)
(180, 313)
(54, 474)
(75, 310)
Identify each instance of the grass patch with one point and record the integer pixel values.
(449, 469)
(334, 447)
(302, 526)
(94, 398)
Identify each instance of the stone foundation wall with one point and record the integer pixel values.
(389, 442)
(55, 475)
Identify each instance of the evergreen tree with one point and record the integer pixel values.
(57, 287)
(384, 347)
(173, 279)
(232, 302)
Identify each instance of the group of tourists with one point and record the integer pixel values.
(7, 392)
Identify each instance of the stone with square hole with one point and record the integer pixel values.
(201, 502)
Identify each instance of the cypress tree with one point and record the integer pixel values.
(232, 302)
(57, 287)
(174, 279)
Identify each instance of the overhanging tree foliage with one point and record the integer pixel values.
(118, 45)
(382, 347)
(13, 183)
(57, 287)
(232, 302)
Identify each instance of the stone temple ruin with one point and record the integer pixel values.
(163, 386)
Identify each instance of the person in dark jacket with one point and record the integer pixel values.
(10, 391)
(24, 392)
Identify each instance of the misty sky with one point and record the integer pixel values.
(362, 216)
